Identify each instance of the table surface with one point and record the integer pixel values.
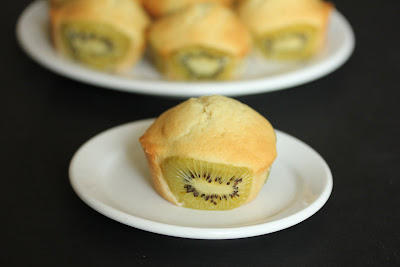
(351, 117)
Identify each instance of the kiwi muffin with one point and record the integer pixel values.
(286, 29)
(204, 41)
(210, 153)
(157, 8)
(103, 34)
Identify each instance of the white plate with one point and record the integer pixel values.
(257, 76)
(109, 173)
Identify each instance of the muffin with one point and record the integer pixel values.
(157, 8)
(209, 153)
(204, 41)
(286, 29)
(103, 34)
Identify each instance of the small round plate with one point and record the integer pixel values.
(110, 174)
(256, 76)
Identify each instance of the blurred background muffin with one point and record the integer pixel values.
(204, 41)
(286, 29)
(103, 34)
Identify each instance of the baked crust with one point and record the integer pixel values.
(208, 25)
(157, 8)
(126, 16)
(263, 16)
(214, 129)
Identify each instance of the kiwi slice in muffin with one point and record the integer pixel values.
(295, 42)
(98, 45)
(57, 3)
(205, 185)
(199, 63)
(195, 63)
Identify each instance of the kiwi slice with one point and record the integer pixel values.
(58, 3)
(159, 62)
(95, 44)
(203, 185)
(296, 42)
(200, 63)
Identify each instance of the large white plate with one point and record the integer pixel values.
(109, 173)
(257, 75)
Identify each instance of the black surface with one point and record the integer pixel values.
(351, 117)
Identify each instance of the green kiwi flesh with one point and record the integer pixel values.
(98, 45)
(295, 42)
(205, 185)
(201, 63)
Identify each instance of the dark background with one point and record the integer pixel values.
(351, 117)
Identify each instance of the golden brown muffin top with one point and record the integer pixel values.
(213, 128)
(129, 16)
(162, 7)
(265, 15)
(204, 24)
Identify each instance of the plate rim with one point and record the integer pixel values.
(210, 233)
(286, 80)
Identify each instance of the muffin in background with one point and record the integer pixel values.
(204, 41)
(286, 29)
(104, 34)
